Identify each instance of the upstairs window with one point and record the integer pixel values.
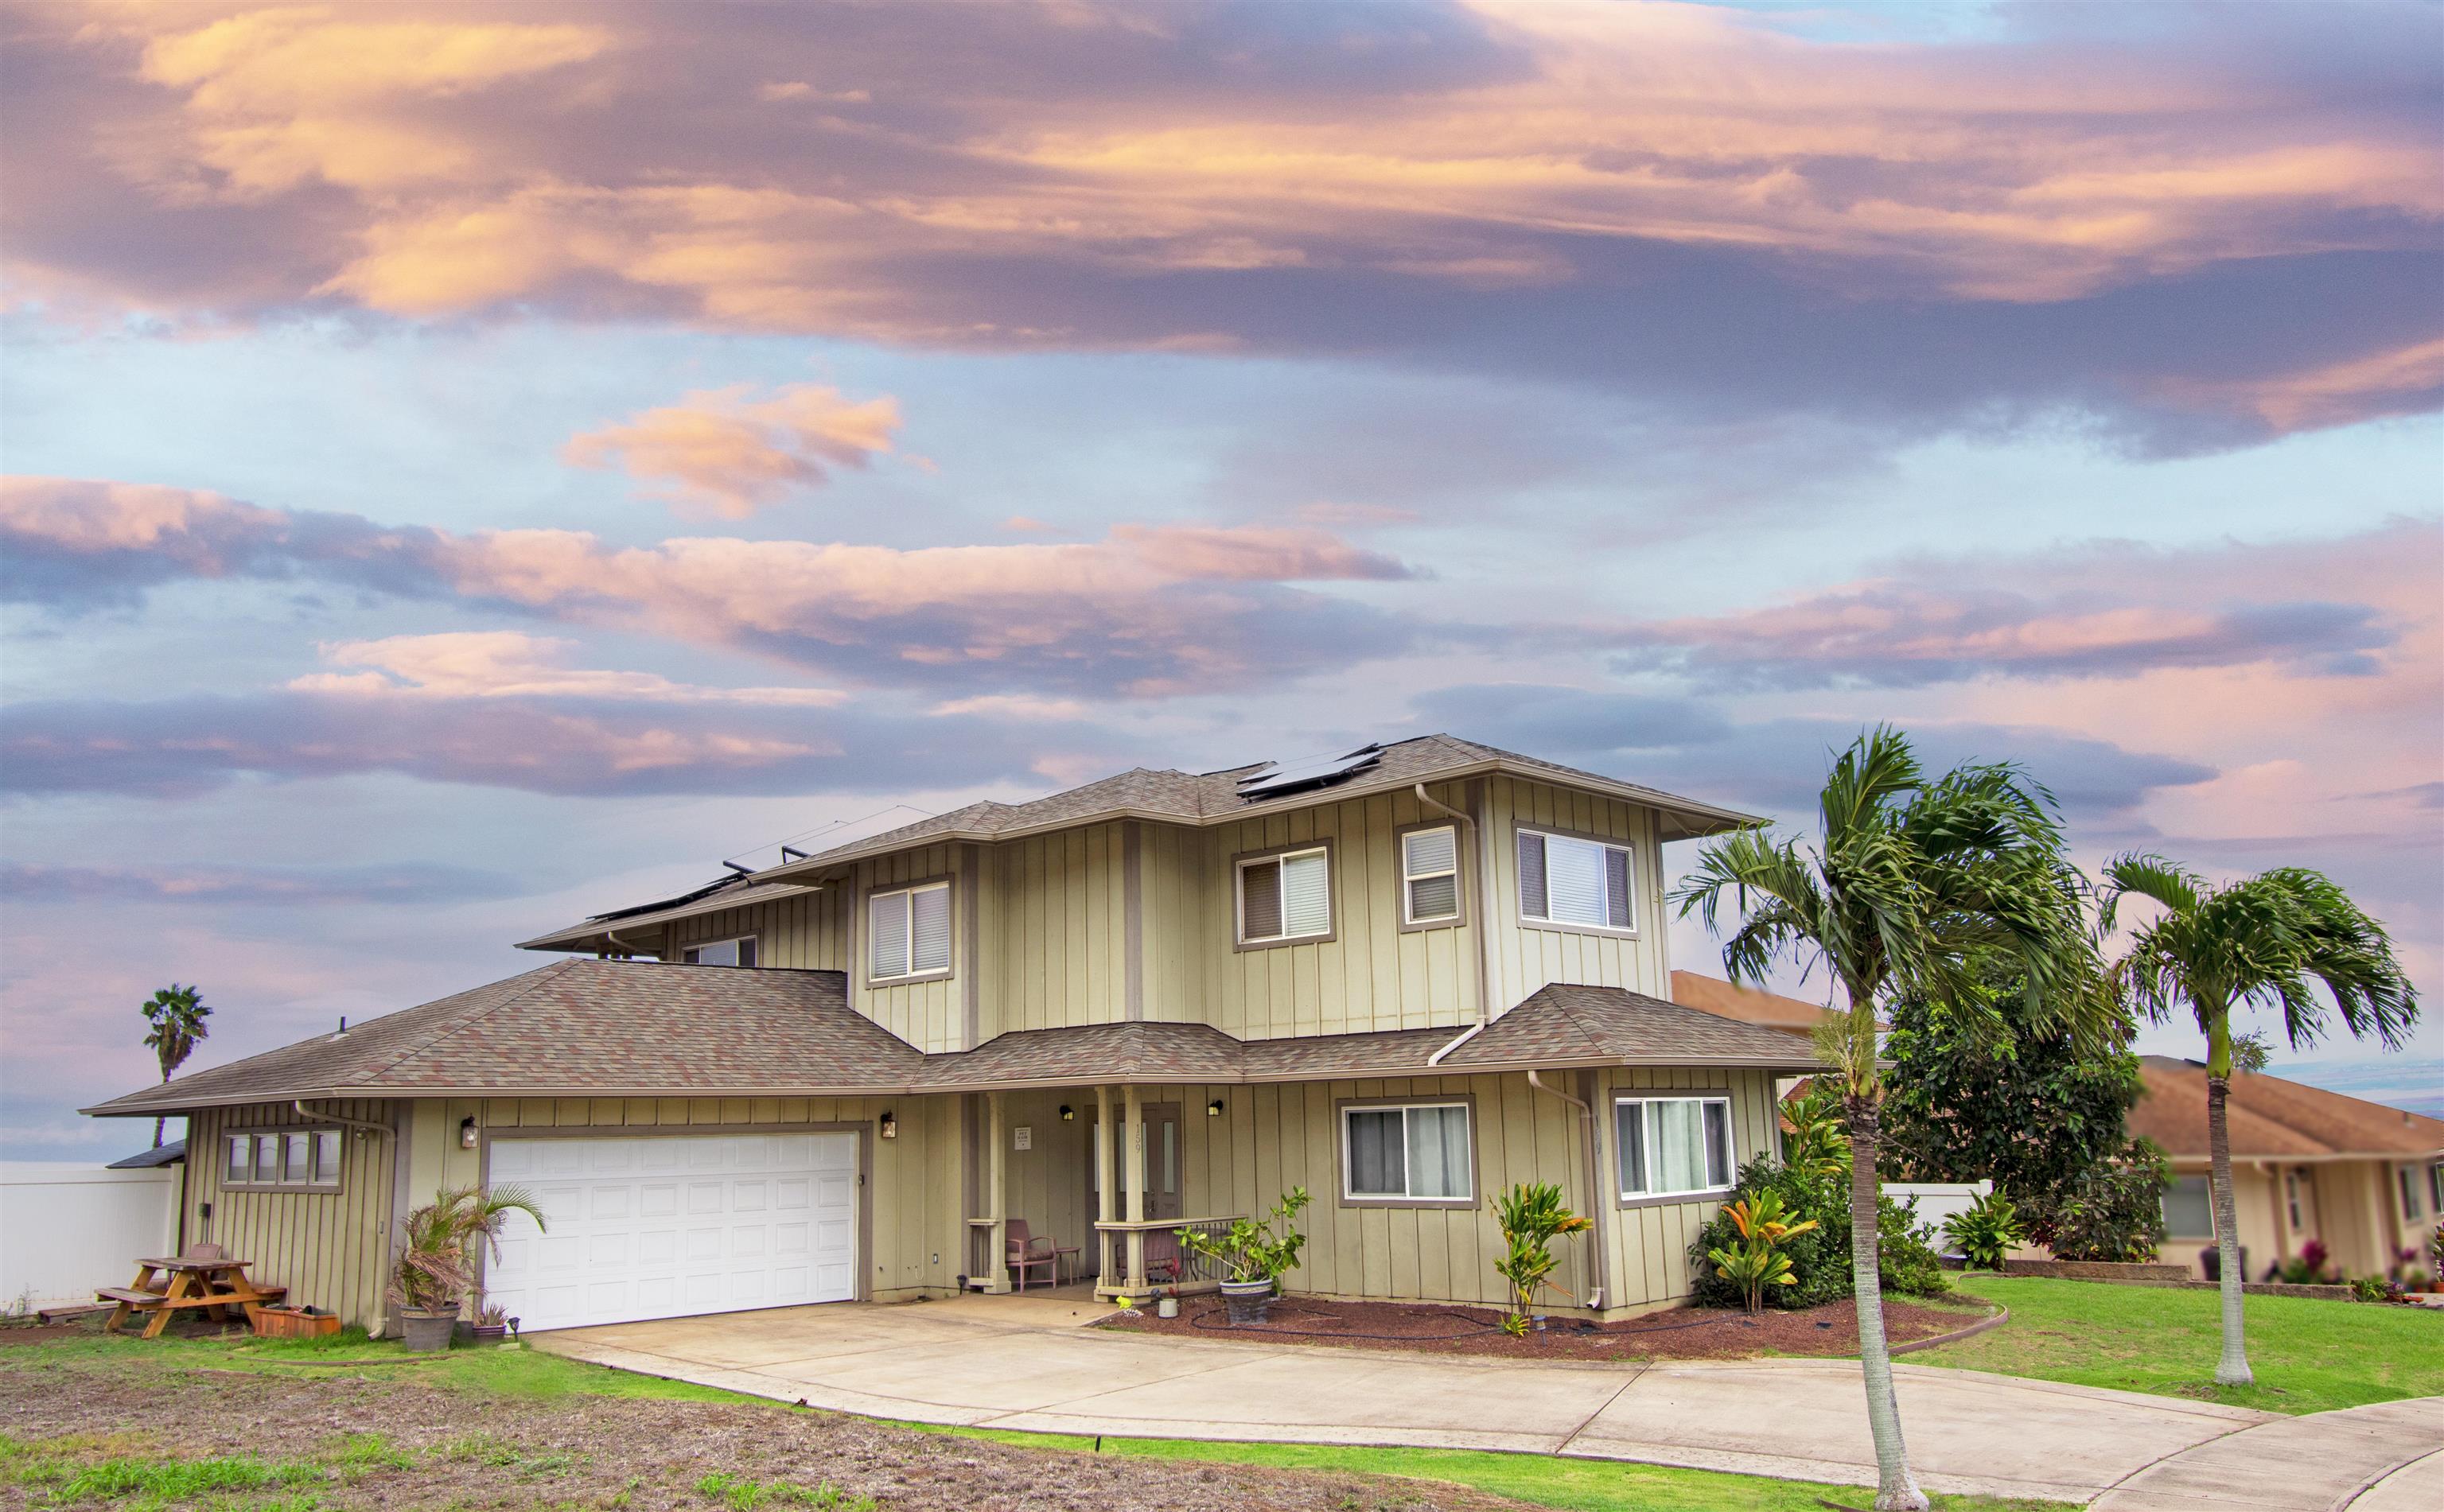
(283, 1160)
(1572, 881)
(1286, 896)
(1673, 1147)
(1430, 875)
(908, 932)
(740, 952)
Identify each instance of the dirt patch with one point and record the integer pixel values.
(438, 1447)
(1692, 1333)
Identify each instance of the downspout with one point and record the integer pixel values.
(1587, 1169)
(1484, 987)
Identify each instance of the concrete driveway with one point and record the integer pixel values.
(1026, 1364)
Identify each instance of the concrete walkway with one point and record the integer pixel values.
(2385, 1458)
(1025, 1365)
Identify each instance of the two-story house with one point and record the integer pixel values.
(1403, 979)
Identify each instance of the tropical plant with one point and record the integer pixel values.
(1531, 1216)
(1912, 881)
(2027, 1109)
(2257, 941)
(2113, 1211)
(1263, 1248)
(1758, 1260)
(1820, 1258)
(173, 1020)
(446, 1238)
(1812, 1139)
(2307, 1268)
(1989, 1230)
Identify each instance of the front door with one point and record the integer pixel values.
(1162, 1165)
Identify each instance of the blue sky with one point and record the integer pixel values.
(461, 478)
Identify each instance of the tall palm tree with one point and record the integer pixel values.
(175, 1017)
(1912, 882)
(2258, 941)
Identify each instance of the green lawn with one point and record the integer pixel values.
(1545, 1480)
(2310, 1356)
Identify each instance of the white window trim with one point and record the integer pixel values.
(1239, 896)
(1350, 1196)
(248, 1182)
(1730, 1148)
(1408, 891)
(1534, 921)
(907, 896)
(696, 946)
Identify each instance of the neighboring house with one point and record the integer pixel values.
(1404, 979)
(2365, 1180)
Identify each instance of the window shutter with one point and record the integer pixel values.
(930, 929)
(1306, 896)
(890, 934)
(1617, 887)
(1574, 880)
(1260, 900)
(1532, 900)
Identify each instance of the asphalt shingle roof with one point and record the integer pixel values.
(604, 1028)
(2270, 1117)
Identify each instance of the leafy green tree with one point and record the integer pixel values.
(2029, 1108)
(2257, 941)
(1911, 881)
(175, 1023)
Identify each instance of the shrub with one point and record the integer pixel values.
(1988, 1231)
(1758, 1262)
(2115, 1211)
(2308, 1269)
(1905, 1252)
(1263, 1248)
(1820, 1258)
(1532, 1217)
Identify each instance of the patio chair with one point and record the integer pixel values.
(1022, 1252)
(1162, 1257)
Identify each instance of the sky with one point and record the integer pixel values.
(472, 467)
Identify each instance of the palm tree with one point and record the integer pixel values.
(2258, 941)
(1913, 882)
(177, 1018)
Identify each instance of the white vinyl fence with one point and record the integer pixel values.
(1934, 1200)
(66, 1228)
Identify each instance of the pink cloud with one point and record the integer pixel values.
(508, 664)
(720, 454)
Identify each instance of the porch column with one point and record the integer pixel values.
(1134, 1154)
(995, 1209)
(1106, 1201)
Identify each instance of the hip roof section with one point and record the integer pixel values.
(2271, 1119)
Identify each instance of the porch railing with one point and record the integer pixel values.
(1132, 1267)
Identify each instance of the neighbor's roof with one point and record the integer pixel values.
(169, 1154)
(1712, 994)
(2271, 1119)
(649, 1029)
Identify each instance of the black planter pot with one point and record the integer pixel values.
(1248, 1301)
(428, 1332)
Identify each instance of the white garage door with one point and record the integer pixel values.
(664, 1226)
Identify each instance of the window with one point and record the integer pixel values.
(1407, 1152)
(2436, 1188)
(2189, 1212)
(285, 1159)
(1671, 1147)
(908, 932)
(1430, 875)
(1284, 897)
(2292, 1197)
(740, 952)
(2409, 1192)
(1577, 882)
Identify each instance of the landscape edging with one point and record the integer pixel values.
(2001, 1316)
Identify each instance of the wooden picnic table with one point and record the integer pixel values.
(164, 1285)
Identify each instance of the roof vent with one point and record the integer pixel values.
(1314, 771)
(343, 1028)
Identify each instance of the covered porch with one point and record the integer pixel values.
(1129, 1171)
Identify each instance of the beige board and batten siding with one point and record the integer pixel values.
(1650, 1242)
(1371, 975)
(1056, 930)
(914, 1245)
(809, 932)
(1525, 956)
(929, 1014)
(331, 1250)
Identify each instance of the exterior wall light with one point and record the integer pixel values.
(1068, 1112)
(1214, 1109)
(890, 1126)
(467, 1133)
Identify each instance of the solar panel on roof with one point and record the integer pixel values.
(1315, 771)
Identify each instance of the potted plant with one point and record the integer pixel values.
(491, 1321)
(1253, 1255)
(436, 1269)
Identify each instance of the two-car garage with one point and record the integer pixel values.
(667, 1225)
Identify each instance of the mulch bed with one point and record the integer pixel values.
(1689, 1332)
(459, 1450)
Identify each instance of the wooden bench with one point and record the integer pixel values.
(164, 1286)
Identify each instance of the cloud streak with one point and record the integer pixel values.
(720, 454)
